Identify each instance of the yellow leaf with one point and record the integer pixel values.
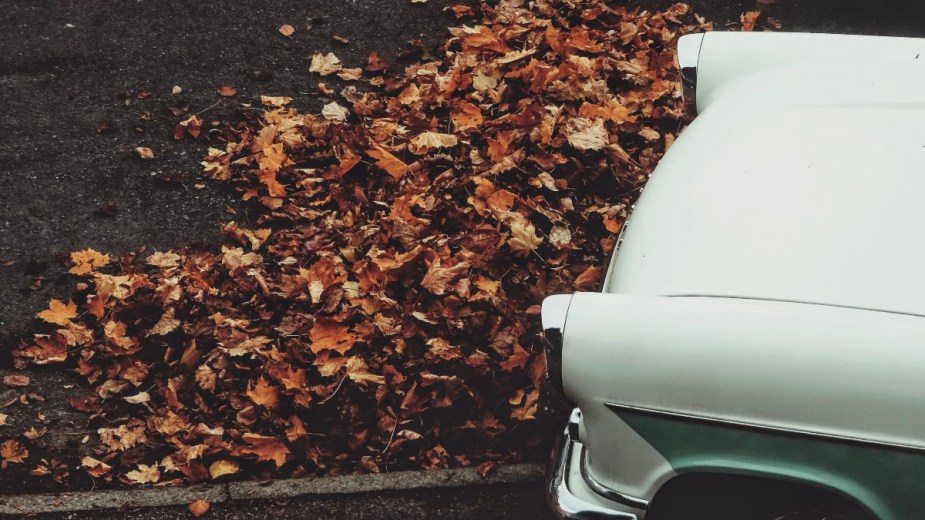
(164, 260)
(144, 474)
(584, 134)
(59, 313)
(358, 372)
(87, 261)
(221, 468)
(325, 64)
(427, 141)
(523, 236)
(275, 101)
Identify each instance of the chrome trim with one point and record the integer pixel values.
(563, 503)
(553, 315)
(604, 491)
(689, 47)
(762, 428)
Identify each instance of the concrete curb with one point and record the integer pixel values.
(218, 493)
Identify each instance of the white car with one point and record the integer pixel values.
(758, 349)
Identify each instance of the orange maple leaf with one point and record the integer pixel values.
(264, 393)
(13, 452)
(329, 334)
(59, 313)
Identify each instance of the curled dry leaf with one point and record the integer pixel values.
(144, 153)
(221, 468)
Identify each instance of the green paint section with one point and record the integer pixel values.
(890, 483)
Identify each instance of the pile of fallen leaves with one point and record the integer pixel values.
(379, 310)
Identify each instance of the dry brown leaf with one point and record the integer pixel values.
(388, 162)
(95, 468)
(199, 507)
(286, 30)
(16, 380)
(748, 20)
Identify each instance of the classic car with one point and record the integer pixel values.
(758, 348)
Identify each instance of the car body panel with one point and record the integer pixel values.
(763, 310)
(886, 482)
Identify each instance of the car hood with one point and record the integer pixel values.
(800, 201)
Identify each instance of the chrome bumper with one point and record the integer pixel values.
(564, 504)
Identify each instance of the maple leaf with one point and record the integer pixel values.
(264, 394)
(266, 448)
(438, 279)
(329, 334)
(275, 101)
(59, 313)
(427, 141)
(221, 468)
(87, 261)
(358, 372)
(526, 404)
(191, 126)
(11, 451)
(200, 507)
(325, 64)
(518, 359)
(235, 258)
(388, 162)
(523, 239)
(115, 332)
(163, 260)
(144, 475)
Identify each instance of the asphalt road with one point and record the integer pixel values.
(70, 68)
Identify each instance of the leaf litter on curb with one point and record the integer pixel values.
(381, 309)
